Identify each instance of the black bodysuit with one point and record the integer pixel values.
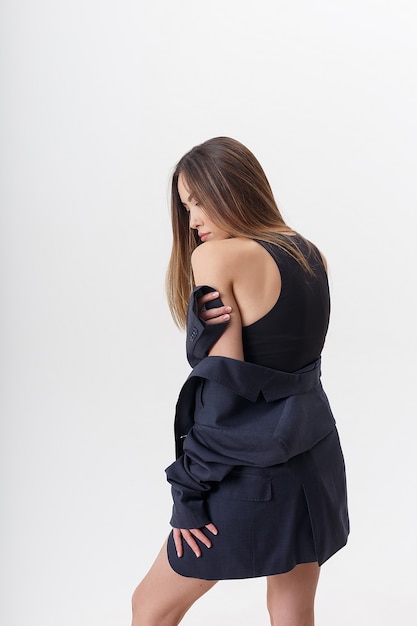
(291, 335)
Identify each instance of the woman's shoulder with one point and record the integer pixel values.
(222, 260)
(224, 250)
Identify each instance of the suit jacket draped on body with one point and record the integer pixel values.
(234, 413)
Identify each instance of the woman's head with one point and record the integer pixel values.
(228, 182)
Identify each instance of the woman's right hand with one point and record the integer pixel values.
(213, 316)
(189, 535)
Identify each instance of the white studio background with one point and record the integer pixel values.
(99, 100)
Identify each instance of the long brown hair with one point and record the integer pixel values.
(229, 182)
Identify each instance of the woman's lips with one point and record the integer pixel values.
(203, 236)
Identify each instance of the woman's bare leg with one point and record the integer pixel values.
(290, 596)
(163, 597)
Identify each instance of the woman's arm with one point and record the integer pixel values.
(213, 265)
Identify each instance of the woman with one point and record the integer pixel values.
(259, 482)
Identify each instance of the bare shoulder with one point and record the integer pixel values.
(224, 253)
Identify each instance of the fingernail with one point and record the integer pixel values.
(228, 309)
(226, 317)
(214, 294)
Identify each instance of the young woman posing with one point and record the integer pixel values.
(259, 482)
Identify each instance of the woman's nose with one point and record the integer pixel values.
(195, 220)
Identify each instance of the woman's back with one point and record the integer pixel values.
(291, 334)
(283, 310)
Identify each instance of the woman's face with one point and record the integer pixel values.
(199, 219)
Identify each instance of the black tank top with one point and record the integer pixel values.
(291, 335)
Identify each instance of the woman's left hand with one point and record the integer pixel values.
(190, 535)
(213, 316)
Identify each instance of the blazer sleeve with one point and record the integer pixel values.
(201, 336)
(192, 477)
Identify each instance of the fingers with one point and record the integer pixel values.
(211, 527)
(216, 316)
(213, 316)
(187, 535)
(208, 297)
(190, 536)
(178, 542)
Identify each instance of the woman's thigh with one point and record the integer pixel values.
(163, 596)
(290, 596)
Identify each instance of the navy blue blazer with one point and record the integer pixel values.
(231, 413)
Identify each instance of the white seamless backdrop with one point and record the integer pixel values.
(99, 100)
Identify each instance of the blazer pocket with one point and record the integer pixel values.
(249, 487)
(200, 394)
